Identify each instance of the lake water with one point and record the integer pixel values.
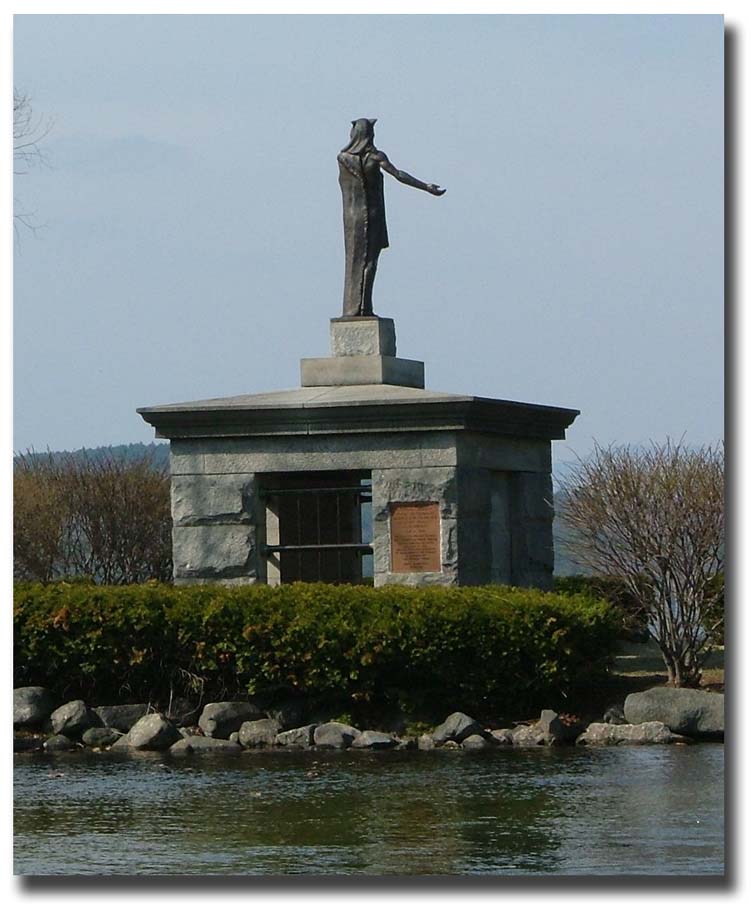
(650, 810)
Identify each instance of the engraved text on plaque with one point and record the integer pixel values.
(415, 538)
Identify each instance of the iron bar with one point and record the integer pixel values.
(364, 489)
(320, 554)
(360, 546)
(338, 530)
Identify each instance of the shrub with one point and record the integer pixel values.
(631, 617)
(477, 649)
(654, 517)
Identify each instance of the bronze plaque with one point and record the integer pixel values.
(415, 538)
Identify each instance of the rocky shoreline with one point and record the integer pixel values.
(657, 716)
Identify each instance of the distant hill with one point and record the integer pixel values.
(565, 564)
(158, 453)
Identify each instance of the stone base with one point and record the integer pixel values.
(350, 370)
(363, 336)
(473, 474)
(363, 351)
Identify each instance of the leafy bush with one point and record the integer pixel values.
(632, 619)
(477, 649)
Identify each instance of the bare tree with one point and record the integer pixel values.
(654, 517)
(28, 132)
(39, 520)
(91, 516)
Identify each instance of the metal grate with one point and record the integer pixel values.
(319, 520)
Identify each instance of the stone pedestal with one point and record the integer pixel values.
(460, 486)
(363, 336)
(363, 351)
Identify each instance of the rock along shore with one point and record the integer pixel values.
(655, 717)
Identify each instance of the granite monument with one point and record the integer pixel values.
(361, 472)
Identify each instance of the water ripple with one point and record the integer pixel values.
(648, 810)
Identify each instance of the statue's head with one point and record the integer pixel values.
(363, 127)
(362, 134)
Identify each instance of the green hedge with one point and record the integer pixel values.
(632, 619)
(477, 649)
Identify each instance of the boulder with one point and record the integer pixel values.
(456, 728)
(377, 741)
(550, 723)
(527, 737)
(202, 743)
(72, 719)
(501, 736)
(120, 716)
(221, 719)
(685, 710)
(301, 737)
(425, 742)
(31, 706)
(556, 730)
(59, 743)
(334, 735)
(652, 733)
(258, 733)
(475, 743)
(153, 732)
(450, 744)
(100, 737)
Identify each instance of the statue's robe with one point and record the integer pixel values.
(365, 230)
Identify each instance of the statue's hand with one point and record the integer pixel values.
(435, 190)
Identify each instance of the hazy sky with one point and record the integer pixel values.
(190, 241)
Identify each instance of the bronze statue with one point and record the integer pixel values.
(365, 231)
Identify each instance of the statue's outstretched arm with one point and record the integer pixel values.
(405, 178)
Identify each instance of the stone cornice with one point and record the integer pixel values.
(275, 414)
